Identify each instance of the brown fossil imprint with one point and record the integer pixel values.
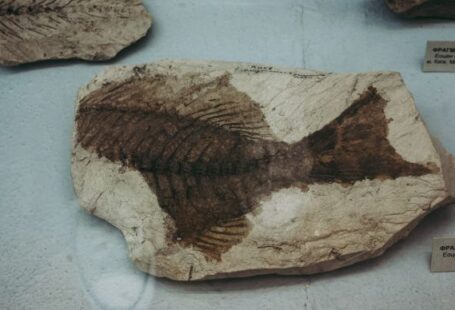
(32, 30)
(209, 155)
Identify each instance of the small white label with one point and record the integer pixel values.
(440, 56)
(443, 258)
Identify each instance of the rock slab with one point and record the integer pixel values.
(214, 169)
(423, 8)
(60, 29)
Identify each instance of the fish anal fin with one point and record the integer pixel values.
(220, 238)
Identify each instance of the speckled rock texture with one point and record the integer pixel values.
(214, 169)
(423, 8)
(32, 30)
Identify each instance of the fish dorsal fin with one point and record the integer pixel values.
(215, 102)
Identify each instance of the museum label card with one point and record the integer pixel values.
(443, 258)
(440, 56)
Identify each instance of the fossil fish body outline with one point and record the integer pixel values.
(208, 154)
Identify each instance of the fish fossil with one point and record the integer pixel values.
(209, 155)
(32, 30)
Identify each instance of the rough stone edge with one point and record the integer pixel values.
(448, 166)
(95, 58)
(117, 73)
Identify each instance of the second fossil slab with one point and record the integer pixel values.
(60, 29)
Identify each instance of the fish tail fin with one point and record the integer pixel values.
(355, 146)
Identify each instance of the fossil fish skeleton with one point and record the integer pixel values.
(208, 154)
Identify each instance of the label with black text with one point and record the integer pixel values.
(440, 56)
(443, 258)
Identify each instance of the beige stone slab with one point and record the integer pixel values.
(215, 169)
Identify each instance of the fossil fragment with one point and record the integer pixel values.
(32, 30)
(222, 169)
(423, 8)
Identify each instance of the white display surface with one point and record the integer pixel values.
(53, 255)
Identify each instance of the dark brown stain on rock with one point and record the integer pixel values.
(206, 151)
(423, 9)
